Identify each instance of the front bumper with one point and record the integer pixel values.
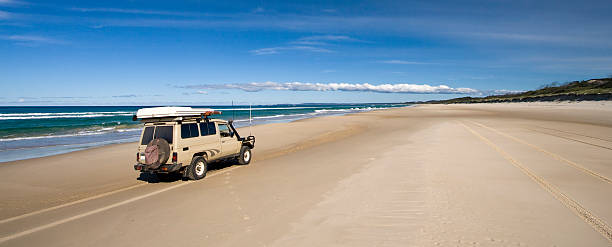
(166, 168)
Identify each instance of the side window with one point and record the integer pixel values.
(189, 130)
(207, 129)
(164, 132)
(193, 128)
(212, 129)
(147, 135)
(224, 130)
(185, 131)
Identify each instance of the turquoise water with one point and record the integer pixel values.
(29, 132)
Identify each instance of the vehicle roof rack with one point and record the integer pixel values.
(172, 113)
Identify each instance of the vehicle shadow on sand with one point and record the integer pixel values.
(174, 177)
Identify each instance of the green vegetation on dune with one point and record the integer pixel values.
(594, 89)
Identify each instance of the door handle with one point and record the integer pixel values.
(185, 149)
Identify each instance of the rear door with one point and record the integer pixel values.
(229, 145)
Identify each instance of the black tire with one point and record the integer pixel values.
(197, 169)
(245, 156)
(163, 152)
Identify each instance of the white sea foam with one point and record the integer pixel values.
(62, 116)
(355, 109)
(80, 133)
(51, 115)
(58, 113)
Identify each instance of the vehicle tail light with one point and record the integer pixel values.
(174, 157)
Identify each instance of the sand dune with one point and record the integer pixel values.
(469, 175)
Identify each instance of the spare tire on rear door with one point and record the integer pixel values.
(157, 153)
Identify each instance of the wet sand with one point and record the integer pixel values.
(469, 175)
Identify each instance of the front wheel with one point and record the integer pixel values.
(245, 155)
(197, 169)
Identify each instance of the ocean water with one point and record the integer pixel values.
(38, 131)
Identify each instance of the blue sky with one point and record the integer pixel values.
(267, 52)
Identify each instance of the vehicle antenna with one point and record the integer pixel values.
(250, 106)
(233, 111)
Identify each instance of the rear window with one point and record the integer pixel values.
(164, 132)
(208, 128)
(147, 136)
(189, 130)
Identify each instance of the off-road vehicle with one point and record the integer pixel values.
(185, 140)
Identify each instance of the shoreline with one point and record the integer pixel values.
(577, 105)
(88, 146)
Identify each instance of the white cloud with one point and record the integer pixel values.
(11, 2)
(133, 11)
(31, 39)
(329, 38)
(26, 38)
(523, 37)
(276, 50)
(259, 10)
(402, 62)
(4, 15)
(534, 38)
(324, 39)
(125, 96)
(356, 87)
(309, 43)
(569, 28)
(506, 91)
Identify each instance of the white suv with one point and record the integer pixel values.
(184, 140)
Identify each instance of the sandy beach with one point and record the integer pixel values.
(513, 174)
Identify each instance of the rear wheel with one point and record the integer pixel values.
(245, 156)
(197, 169)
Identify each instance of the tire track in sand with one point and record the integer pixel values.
(594, 221)
(105, 208)
(572, 133)
(571, 139)
(554, 155)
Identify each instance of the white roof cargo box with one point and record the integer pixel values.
(161, 112)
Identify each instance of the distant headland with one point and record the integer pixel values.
(587, 90)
